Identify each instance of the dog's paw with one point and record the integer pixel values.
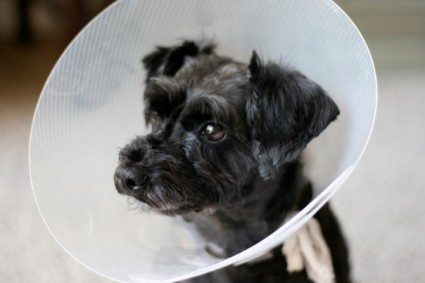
(215, 250)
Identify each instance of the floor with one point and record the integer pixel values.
(381, 206)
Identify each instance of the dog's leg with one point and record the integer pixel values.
(334, 238)
(333, 235)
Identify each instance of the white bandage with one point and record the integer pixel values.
(308, 249)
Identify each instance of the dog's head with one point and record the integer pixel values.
(217, 125)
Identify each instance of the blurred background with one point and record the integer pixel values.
(380, 206)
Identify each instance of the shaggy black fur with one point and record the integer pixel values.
(226, 137)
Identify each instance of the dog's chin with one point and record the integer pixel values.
(173, 209)
(182, 211)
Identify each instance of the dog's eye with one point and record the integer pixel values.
(154, 118)
(213, 132)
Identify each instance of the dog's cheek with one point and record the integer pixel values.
(231, 158)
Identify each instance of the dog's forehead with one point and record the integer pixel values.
(210, 72)
(209, 87)
(214, 87)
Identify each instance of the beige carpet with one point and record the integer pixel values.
(381, 205)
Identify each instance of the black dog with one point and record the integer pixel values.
(223, 152)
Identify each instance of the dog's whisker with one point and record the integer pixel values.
(136, 205)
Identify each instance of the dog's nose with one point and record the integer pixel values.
(127, 180)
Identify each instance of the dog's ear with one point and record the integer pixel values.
(168, 60)
(285, 111)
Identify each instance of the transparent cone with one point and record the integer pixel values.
(92, 105)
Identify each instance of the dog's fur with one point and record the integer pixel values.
(223, 152)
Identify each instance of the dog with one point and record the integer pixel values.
(224, 153)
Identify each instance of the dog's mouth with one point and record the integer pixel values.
(172, 209)
(159, 196)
